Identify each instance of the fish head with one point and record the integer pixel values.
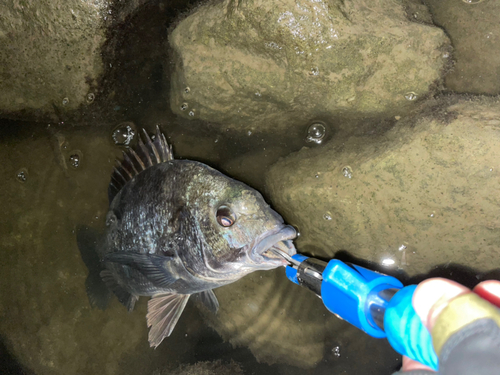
(239, 228)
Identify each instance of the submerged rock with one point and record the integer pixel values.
(278, 321)
(423, 194)
(474, 30)
(251, 65)
(51, 53)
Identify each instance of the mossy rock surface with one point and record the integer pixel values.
(425, 193)
(272, 65)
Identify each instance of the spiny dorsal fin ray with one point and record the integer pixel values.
(148, 153)
(163, 313)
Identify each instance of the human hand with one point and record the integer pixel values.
(433, 295)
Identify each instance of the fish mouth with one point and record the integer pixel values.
(281, 240)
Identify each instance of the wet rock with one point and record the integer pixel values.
(474, 30)
(50, 53)
(424, 194)
(283, 63)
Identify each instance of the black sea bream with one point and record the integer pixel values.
(177, 228)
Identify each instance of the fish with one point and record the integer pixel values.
(177, 228)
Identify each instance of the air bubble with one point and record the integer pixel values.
(402, 247)
(316, 132)
(75, 159)
(123, 134)
(65, 101)
(327, 216)
(347, 172)
(90, 97)
(314, 71)
(411, 96)
(184, 106)
(472, 2)
(336, 351)
(187, 90)
(191, 113)
(249, 133)
(22, 175)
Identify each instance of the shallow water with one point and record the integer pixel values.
(54, 178)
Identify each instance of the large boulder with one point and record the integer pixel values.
(55, 54)
(424, 194)
(250, 64)
(473, 28)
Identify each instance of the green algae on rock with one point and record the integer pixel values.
(50, 53)
(423, 194)
(259, 63)
(474, 30)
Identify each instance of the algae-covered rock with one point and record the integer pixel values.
(271, 65)
(50, 53)
(474, 30)
(423, 194)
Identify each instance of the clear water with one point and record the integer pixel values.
(54, 177)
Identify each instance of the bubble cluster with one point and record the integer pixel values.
(22, 175)
(411, 96)
(123, 134)
(347, 172)
(314, 71)
(316, 132)
(336, 351)
(90, 97)
(75, 159)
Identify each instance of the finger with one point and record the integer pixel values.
(489, 290)
(432, 296)
(411, 365)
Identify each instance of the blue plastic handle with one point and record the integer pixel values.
(346, 291)
(405, 331)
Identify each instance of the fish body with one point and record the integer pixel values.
(177, 228)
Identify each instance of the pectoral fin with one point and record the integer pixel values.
(163, 313)
(209, 299)
(157, 268)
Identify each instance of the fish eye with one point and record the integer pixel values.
(225, 217)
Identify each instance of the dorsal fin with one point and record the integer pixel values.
(146, 154)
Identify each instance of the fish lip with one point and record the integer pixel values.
(284, 234)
